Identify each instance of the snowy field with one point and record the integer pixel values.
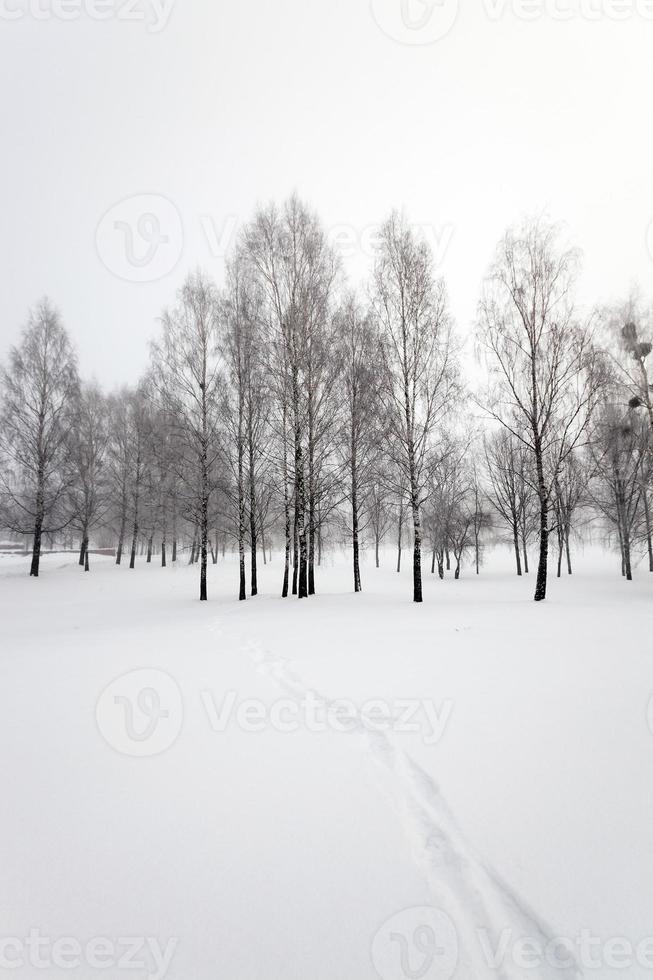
(339, 789)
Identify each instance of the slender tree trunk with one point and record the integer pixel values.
(542, 567)
(354, 524)
(82, 548)
(242, 593)
(149, 548)
(311, 510)
(86, 564)
(252, 508)
(36, 550)
(568, 551)
(204, 532)
(193, 547)
(163, 551)
(540, 585)
(38, 527)
(121, 532)
(517, 555)
(649, 530)
(399, 530)
(302, 585)
(441, 565)
(286, 505)
(132, 557)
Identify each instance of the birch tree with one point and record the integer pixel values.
(412, 314)
(187, 372)
(38, 391)
(545, 376)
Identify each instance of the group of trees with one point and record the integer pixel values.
(285, 409)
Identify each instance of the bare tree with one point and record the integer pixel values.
(358, 376)
(411, 311)
(509, 492)
(39, 388)
(88, 494)
(187, 372)
(545, 373)
(295, 268)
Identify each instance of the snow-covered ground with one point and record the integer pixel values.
(221, 782)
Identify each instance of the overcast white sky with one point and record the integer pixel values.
(191, 113)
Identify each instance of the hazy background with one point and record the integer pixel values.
(224, 105)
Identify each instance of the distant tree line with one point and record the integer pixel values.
(284, 410)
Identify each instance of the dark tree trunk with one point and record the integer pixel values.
(252, 511)
(542, 567)
(295, 547)
(302, 584)
(354, 510)
(121, 536)
(649, 530)
(568, 552)
(517, 555)
(82, 549)
(286, 505)
(132, 557)
(441, 565)
(149, 549)
(86, 565)
(36, 551)
(163, 552)
(242, 593)
(399, 530)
